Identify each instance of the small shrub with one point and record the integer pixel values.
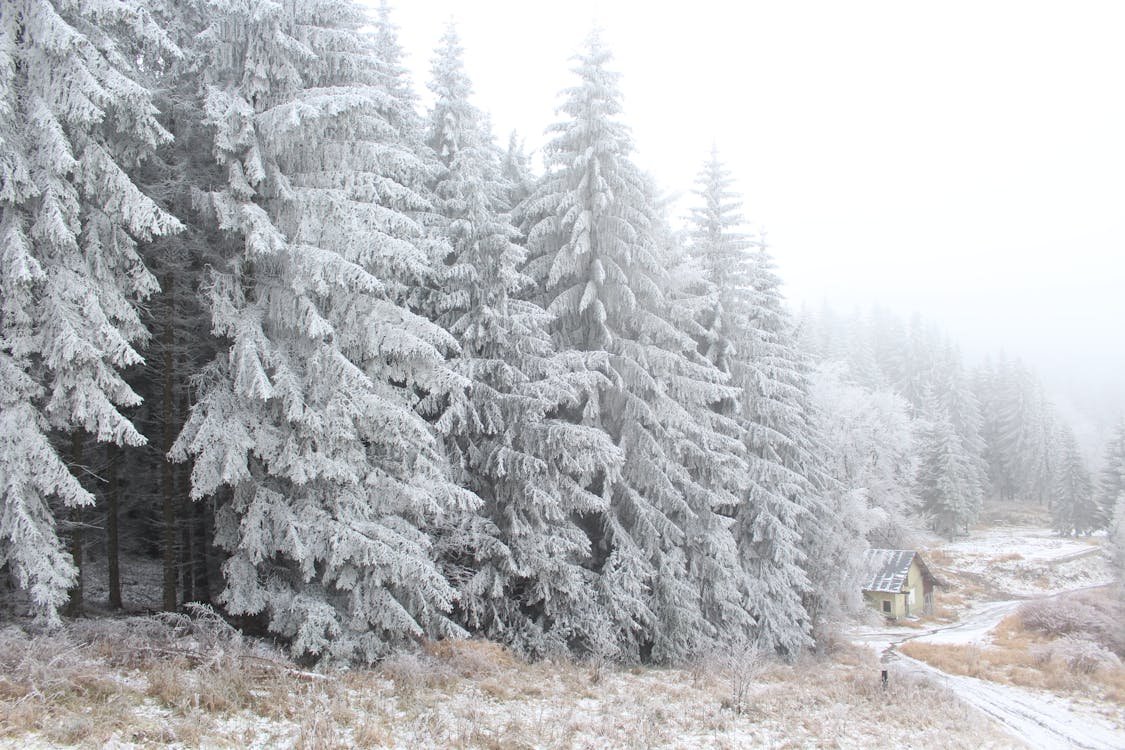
(472, 657)
(413, 672)
(1078, 655)
(740, 666)
(1092, 615)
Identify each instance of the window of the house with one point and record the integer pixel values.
(886, 606)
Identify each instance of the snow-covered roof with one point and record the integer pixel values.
(885, 570)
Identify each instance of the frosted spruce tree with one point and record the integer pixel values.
(960, 403)
(74, 121)
(1111, 479)
(594, 253)
(305, 429)
(744, 334)
(800, 492)
(1117, 539)
(710, 444)
(1073, 507)
(519, 563)
(946, 483)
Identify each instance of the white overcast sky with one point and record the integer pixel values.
(965, 160)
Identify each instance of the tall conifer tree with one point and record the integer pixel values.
(306, 425)
(74, 121)
(519, 563)
(593, 245)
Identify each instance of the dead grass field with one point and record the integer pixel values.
(1071, 644)
(146, 682)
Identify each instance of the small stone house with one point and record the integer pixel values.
(897, 583)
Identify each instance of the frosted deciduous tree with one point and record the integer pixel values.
(518, 564)
(305, 428)
(870, 443)
(73, 122)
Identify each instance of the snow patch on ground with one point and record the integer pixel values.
(1022, 561)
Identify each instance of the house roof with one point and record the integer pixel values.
(885, 570)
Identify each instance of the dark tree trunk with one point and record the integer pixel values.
(188, 545)
(76, 602)
(113, 546)
(168, 474)
(207, 572)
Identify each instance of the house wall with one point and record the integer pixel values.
(915, 583)
(876, 599)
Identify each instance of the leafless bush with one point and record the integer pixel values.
(741, 665)
(411, 672)
(472, 657)
(1090, 615)
(1079, 655)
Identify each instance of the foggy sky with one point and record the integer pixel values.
(964, 160)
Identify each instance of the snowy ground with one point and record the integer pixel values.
(131, 684)
(984, 573)
(107, 685)
(1020, 561)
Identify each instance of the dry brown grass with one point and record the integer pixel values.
(1042, 646)
(195, 684)
(937, 557)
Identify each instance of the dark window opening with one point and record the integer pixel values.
(886, 606)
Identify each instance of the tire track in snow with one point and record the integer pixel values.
(1039, 723)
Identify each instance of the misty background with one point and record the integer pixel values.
(961, 161)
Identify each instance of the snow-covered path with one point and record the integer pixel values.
(1041, 723)
(1037, 720)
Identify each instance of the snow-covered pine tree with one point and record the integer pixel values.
(594, 253)
(946, 482)
(73, 122)
(798, 493)
(516, 171)
(956, 398)
(710, 443)
(1073, 507)
(518, 564)
(1111, 479)
(305, 428)
(1020, 422)
(744, 334)
(1117, 538)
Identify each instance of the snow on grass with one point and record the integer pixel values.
(144, 682)
(1017, 562)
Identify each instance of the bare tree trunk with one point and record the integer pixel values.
(168, 475)
(113, 548)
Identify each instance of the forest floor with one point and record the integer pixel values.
(189, 680)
